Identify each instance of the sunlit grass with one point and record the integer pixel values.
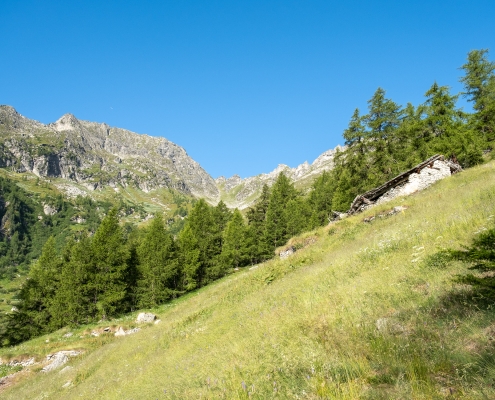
(364, 312)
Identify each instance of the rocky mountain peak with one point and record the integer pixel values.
(66, 122)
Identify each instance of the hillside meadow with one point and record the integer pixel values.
(364, 310)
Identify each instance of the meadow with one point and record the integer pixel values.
(361, 310)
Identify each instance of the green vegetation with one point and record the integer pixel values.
(368, 310)
(361, 310)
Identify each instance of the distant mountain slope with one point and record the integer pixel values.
(242, 193)
(96, 155)
(88, 156)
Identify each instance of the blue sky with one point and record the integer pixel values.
(241, 85)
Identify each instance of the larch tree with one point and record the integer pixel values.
(234, 250)
(158, 267)
(110, 256)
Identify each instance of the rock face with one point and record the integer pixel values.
(94, 155)
(242, 193)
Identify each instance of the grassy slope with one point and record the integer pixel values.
(306, 327)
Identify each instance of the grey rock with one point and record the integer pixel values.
(145, 317)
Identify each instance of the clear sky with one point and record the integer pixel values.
(242, 85)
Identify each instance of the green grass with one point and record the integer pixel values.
(367, 311)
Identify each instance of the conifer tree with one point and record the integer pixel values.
(39, 290)
(202, 226)
(72, 304)
(189, 262)
(158, 267)
(355, 134)
(256, 216)
(234, 250)
(445, 127)
(110, 257)
(275, 233)
(320, 199)
(382, 120)
(298, 215)
(479, 84)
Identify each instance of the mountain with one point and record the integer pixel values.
(84, 158)
(242, 193)
(95, 155)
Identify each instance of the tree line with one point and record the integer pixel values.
(118, 270)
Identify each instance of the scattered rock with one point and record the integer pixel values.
(287, 252)
(49, 210)
(158, 321)
(120, 332)
(68, 334)
(14, 309)
(145, 318)
(95, 334)
(25, 363)
(107, 329)
(67, 384)
(58, 359)
(65, 369)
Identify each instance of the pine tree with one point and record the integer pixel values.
(110, 257)
(39, 290)
(72, 304)
(445, 128)
(158, 267)
(256, 216)
(298, 215)
(320, 199)
(479, 84)
(202, 225)
(383, 118)
(234, 250)
(189, 261)
(355, 135)
(275, 233)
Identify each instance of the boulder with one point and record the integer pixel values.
(145, 317)
(120, 332)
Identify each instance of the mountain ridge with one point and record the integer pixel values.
(95, 155)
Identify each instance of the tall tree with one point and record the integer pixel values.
(479, 84)
(110, 256)
(189, 259)
(383, 118)
(39, 290)
(320, 199)
(158, 266)
(275, 233)
(72, 304)
(202, 226)
(234, 250)
(256, 216)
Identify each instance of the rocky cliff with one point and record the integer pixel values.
(96, 155)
